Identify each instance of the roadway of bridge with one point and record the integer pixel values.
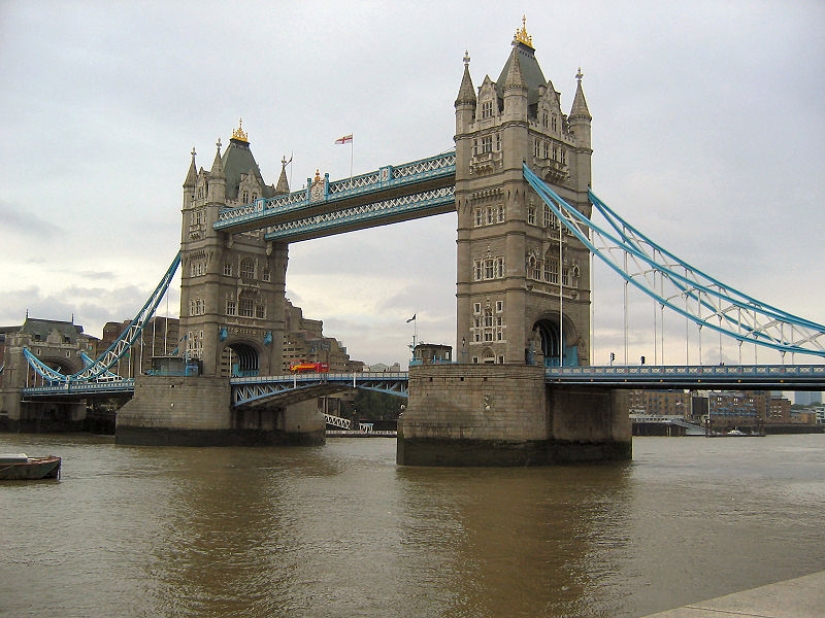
(287, 389)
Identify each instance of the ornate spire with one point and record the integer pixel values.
(466, 93)
(239, 134)
(192, 175)
(217, 164)
(514, 77)
(283, 183)
(522, 36)
(579, 108)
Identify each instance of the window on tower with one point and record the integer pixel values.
(247, 268)
(247, 308)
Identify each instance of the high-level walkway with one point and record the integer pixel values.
(803, 597)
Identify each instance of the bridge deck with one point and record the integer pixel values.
(256, 389)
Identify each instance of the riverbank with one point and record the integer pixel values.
(803, 597)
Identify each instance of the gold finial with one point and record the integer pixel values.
(466, 57)
(579, 75)
(239, 133)
(522, 36)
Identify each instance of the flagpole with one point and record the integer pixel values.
(351, 154)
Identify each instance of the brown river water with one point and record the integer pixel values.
(341, 531)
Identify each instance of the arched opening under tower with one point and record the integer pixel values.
(550, 346)
(67, 365)
(239, 360)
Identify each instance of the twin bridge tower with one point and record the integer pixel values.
(523, 287)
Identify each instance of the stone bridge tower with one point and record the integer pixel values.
(523, 290)
(523, 283)
(232, 321)
(232, 285)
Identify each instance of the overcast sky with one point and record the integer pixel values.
(708, 135)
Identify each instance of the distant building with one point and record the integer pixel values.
(57, 343)
(807, 398)
(381, 368)
(304, 340)
(661, 402)
(432, 354)
(159, 337)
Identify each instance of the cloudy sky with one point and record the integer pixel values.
(708, 135)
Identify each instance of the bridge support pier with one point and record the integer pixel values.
(196, 411)
(53, 415)
(505, 415)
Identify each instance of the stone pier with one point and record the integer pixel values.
(197, 411)
(505, 415)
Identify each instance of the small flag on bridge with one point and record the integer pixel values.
(411, 319)
(344, 140)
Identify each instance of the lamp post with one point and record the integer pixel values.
(463, 350)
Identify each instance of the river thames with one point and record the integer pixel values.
(341, 531)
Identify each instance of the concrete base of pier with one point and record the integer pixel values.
(197, 411)
(503, 415)
(55, 415)
(803, 597)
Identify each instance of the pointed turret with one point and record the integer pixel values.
(465, 103)
(217, 178)
(190, 182)
(579, 108)
(192, 175)
(466, 93)
(283, 184)
(580, 117)
(515, 89)
(579, 122)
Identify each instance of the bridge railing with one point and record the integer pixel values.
(692, 370)
(125, 385)
(439, 166)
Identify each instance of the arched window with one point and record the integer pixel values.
(247, 268)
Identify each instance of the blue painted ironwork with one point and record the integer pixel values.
(682, 288)
(753, 377)
(113, 387)
(373, 214)
(251, 391)
(99, 369)
(379, 185)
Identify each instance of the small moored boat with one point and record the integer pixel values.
(21, 467)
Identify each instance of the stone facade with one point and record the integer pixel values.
(523, 282)
(58, 344)
(232, 285)
(523, 291)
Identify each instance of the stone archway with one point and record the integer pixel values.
(240, 359)
(545, 344)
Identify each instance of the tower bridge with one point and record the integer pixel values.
(523, 391)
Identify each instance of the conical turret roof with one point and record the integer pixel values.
(466, 93)
(528, 67)
(579, 108)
